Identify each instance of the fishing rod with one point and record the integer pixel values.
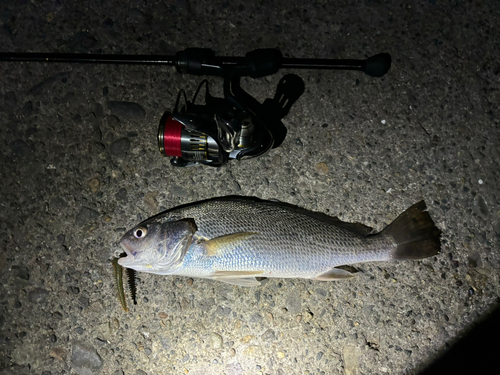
(234, 127)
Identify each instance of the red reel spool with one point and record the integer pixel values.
(170, 138)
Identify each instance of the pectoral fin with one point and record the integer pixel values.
(217, 245)
(334, 274)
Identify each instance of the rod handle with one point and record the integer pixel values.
(378, 65)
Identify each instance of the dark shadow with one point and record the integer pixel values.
(288, 91)
(476, 353)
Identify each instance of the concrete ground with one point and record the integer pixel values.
(77, 171)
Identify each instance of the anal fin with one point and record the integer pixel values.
(240, 278)
(243, 281)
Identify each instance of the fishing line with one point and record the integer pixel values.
(172, 138)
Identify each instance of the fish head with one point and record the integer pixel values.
(157, 247)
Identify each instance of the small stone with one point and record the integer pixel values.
(223, 311)
(122, 195)
(57, 203)
(276, 162)
(120, 147)
(215, 341)
(73, 290)
(233, 369)
(253, 351)
(178, 191)
(321, 168)
(236, 186)
(100, 341)
(127, 110)
(247, 338)
(150, 200)
(53, 338)
(319, 355)
(257, 296)
(163, 315)
(22, 273)
(114, 325)
(23, 355)
(58, 353)
(112, 122)
(269, 317)
(294, 303)
(256, 318)
(61, 238)
(38, 295)
(185, 304)
(94, 185)
(480, 205)
(232, 352)
(307, 316)
(268, 335)
(84, 359)
(484, 271)
(280, 355)
(85, 215)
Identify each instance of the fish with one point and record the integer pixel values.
(237, 239)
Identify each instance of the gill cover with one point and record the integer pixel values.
(161, 249)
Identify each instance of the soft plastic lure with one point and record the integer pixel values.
(118, 275)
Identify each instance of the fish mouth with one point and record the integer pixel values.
(127, 260)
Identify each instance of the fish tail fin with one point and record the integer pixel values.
(415, 234)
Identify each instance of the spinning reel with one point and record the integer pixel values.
(236, 126)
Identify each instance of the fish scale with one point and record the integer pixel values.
(237, 239)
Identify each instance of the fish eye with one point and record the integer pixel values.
(140, 232)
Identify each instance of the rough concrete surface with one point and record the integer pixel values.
(79, 167)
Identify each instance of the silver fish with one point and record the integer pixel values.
(236, 239)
